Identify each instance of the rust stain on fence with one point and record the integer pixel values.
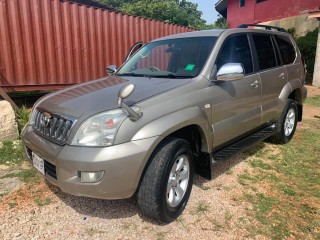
(49, 44)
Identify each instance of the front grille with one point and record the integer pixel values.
(50, 169)
(52, 127)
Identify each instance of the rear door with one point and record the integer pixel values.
(272, 73)
(236, 104)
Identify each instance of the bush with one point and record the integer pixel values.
(308, 45)
(22, 116)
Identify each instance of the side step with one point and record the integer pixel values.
(242, 144)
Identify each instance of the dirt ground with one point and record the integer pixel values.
(42, 211)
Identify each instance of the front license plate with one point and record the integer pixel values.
(38, 163)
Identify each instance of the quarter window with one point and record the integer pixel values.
(265, 51)
(242, 3)
(236, 49)
(287, 51)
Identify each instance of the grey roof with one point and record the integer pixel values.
(203, 33)
(221, 7)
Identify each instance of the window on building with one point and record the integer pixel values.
(236, 49)
(265, 51)
(287, 51)
(259, 1)
(242, 3)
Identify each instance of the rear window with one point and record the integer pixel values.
(287, 51)
(265, 51)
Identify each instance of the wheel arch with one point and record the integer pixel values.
(293, 90)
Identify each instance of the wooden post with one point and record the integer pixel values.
(7, 98)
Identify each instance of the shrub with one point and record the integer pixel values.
(308, 45)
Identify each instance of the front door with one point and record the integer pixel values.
(236, 105)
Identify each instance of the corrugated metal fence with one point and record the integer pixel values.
(47, 44)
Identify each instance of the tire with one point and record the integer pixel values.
(287, 123)
(158, 197)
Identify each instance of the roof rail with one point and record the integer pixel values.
(267, 27)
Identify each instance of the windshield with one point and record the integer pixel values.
(183, 58)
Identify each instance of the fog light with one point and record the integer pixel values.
(91, 177)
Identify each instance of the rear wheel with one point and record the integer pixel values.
(166, 185)
(287, 123)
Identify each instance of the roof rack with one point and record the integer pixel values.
(267, 27)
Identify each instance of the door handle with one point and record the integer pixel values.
(282, 75)
(255, 84)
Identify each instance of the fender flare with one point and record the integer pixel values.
(174, 121)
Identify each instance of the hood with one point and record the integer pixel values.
(102, 94)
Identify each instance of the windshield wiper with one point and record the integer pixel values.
(133, 74)
(172, 75)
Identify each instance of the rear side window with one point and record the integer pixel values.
(287, 51)
(236, 49)
(265, 51)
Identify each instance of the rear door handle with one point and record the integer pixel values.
(255, 84)
(282, 75)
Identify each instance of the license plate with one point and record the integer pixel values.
(38, 163)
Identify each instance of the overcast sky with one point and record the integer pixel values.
(207, 8)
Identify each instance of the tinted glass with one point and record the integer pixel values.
(287, 51)
(242, 3)
(236, 49)
(265, 51)
(183, 58)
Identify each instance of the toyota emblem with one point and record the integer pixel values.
(45, 119)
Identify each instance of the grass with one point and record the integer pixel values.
(202, 207)
(313, 101)
(11, 153)
(43, 201)
(286, 202)
(25, 175)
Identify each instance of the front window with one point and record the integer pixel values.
(181, 58)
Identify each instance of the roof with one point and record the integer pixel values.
(203, 33)
(91, 3)
(221, 7)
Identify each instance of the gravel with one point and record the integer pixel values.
(44, 212)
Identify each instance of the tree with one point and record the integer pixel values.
(221, 22)
(180, 12)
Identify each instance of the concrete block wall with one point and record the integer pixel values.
(8, 124)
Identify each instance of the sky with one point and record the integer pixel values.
(207, 8)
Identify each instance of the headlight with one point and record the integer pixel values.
(100, 129)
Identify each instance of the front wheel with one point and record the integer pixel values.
(287, 123)
(166, 185)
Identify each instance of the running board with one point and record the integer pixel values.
(242, 144)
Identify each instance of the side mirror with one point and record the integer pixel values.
(111, 69)
(123, 93)
(230, 72)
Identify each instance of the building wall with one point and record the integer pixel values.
(268, 10)
(301, 23)
(49, 44)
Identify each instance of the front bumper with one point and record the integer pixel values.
(122, 164)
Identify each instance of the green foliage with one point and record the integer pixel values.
(308, 45)
(180, 12)
(22, 116)
(11, 153)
